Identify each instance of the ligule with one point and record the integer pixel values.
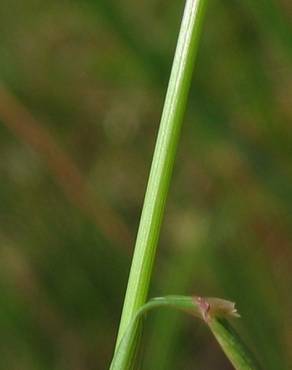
(213, 311)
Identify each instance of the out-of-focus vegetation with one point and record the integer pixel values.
(82, 87)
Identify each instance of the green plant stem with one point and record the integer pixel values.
(162, 163)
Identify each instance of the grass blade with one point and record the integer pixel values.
(234, 348)
(213, 311)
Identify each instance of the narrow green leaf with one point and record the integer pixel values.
(213, 311)
(234, 348)
(124, 353)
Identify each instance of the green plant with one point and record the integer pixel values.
(163, 161)
(153, 209)
(213, 311)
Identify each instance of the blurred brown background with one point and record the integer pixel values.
(81, 93)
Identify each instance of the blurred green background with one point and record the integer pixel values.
(81, 93)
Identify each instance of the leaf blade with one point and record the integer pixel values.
(213, 311)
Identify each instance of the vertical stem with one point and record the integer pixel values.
(162, 163)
